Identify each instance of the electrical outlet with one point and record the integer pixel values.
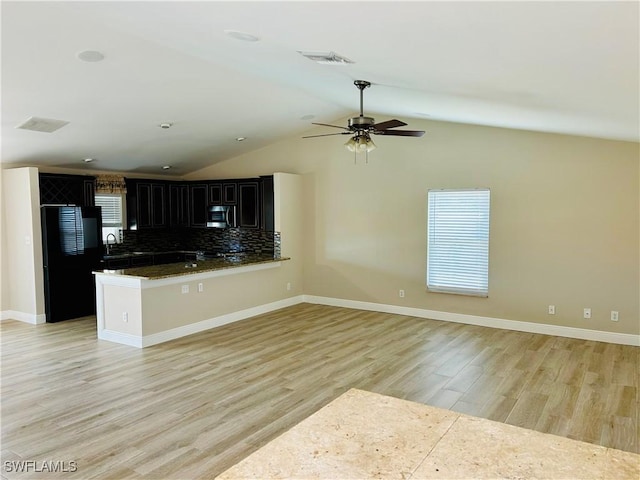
(125, 317)
(185, 288)
(401, 293)
(288, 285)
(587, 313)
(614, 316)
(552, 309)
(200, 287)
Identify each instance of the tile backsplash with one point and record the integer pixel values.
(193, 239)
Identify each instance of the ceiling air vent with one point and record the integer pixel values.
(330, 58)
(38, 124)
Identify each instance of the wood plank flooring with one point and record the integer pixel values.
(193, 407)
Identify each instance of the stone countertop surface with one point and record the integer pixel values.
(115, 256)
(154, 272)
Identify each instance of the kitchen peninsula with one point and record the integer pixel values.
(148, 305)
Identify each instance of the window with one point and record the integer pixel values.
(458, 241)
(112, 215)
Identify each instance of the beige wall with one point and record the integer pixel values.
(4, 274)
(565, 219)
(22, 274)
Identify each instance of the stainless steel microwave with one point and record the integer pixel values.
(221, 216)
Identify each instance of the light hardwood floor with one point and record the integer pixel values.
(193, 407)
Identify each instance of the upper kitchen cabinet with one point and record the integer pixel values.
(223, 192)
(215, 193)
(199, 204)
(146, 204)
(267, 203)
(229, 193)
(248, 203)
(59, 189)
(179, 208)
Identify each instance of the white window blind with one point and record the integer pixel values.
(458, 241)
(111, 209)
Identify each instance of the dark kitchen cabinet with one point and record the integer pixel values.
(60, 189)
(117, 263)
(199, 204)
(179, 207)
(215, 193)
(248, 204)
(267, 203)
(89, 187)
(229, 193)
(141, 260)
(168, 257)
(146, 204)
(161, 204)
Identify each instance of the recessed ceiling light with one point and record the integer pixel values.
(88, 160)
(165, 125)
(241, 139)
(90, 56)
(245, 37)
(328, 58)
(166, 167)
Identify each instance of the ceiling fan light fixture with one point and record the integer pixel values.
(360, 144)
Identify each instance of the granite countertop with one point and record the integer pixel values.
(154, 272)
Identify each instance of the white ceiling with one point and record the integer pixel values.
(566, 67)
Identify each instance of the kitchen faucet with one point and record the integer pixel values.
(109, 245)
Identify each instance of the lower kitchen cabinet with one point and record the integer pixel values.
(116, 263)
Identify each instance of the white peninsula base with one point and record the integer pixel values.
(141, 312)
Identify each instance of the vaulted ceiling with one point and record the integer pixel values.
(565, 67)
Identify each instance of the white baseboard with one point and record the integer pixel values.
(33, 319)
(529, 327)
(118, 337)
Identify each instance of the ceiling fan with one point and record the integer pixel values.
(360, 128)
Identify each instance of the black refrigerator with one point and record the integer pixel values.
(72, 250)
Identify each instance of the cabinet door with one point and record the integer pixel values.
(229, 193)
(199, 205)
(179, 205)
(158, 205)
(267, 208)
(215, 194)
(143, 203)
(248, 209)
(150, 205)
(89, 193)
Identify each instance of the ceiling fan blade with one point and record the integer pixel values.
(327, 125)
(388, 124)
(327, 134)
(400, 133)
